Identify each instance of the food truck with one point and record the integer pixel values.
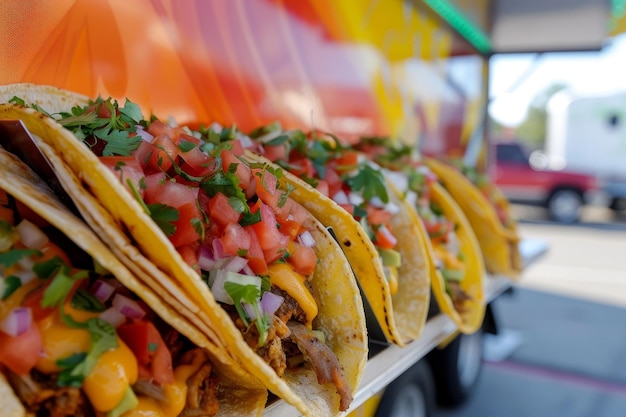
(414, 72)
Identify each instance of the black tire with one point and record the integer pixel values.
(410, 395)
(618, 204)
(565, 205)
(457, 368)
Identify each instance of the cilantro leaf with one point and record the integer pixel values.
(12, 257)
(370, 182)
(62, 283)
(164, 216)
(251, 295)
(76, 367)
(83, 300)
(11, 284)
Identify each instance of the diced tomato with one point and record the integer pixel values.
(154, 187)
(255, 256)
(378, 216)
(322, 187)
(196, 163)
(170, 193)
(347, 161)
(242, 172)
(235, 240)
(21, 353)
(302, 167)
(143, 338)
(237, 147)
(159, 128)
(334, 181)
(183, 137)
(384, 238)
(221, 211)
(125, 168)
(163, 155)
(189, 254)
(189, 218)
(303, 259)
(275, 153)
(270, 238)
(266, 190)
(33, 300)
(348, 207)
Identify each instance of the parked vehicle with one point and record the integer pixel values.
(588, 134)
(525, 178)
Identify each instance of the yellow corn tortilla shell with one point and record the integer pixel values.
(24, 185)
(499, 244)
(341, 309)
(10, 405)
(470, 319)
(401, 316)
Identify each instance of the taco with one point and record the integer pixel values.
(457, 269)
(373, 225)
(196, 223)
(488, 212)
(77, 340)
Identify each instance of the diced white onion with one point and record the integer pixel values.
(341, 197)
(113, 316)
(218, 249)
(235, 264)
(392, 208)
(31, 235)
(249, 309)
(18, 321)
(377, 202)
(411, 198)
(355, 198)
(245, 140)
(216, 127)
(144, 134)
(271, 302)
(25, 275)
(398, 179)
(217, 288)
(206, 261)
(102, 290)
(306, 239)
(129, 308)
(269, 136)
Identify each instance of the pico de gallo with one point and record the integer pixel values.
(482, 181)
(340, 172)
(233, 222)
(75, 342)
(417, 181)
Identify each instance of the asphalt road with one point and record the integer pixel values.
(565, 324)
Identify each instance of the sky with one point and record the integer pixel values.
(517, 78)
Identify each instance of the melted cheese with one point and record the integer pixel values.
(175, 395)
(288, 280)
(106, 385)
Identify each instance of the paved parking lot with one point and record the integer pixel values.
(567, 320)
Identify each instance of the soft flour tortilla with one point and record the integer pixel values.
(499, 244)
(143, 247)
(401, 316)
(20, 182)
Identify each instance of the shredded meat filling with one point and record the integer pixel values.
(324, 362)
(42, 397)
(201, 387)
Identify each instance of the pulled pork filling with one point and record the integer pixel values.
(43, 398)
(289, 342)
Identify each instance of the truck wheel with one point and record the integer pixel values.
(409, 395)
(565, 206)
(457, 368)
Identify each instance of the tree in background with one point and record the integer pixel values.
(533, 129)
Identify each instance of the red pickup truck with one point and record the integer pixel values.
(524, 179)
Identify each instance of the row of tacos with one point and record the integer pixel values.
(250, 251)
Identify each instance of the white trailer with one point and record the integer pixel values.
(588, 134)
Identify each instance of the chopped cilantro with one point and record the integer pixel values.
(83, 300)
(11, 284)
(152, 347)
(251, 295)
(12, 257)
(370, 182)
(164, 216)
